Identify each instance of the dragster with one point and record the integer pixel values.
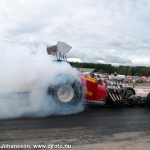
(72, 92)
(68, 87)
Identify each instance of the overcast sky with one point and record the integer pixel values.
(114, 32)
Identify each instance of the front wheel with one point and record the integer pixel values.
(130, 92)
(67, 91)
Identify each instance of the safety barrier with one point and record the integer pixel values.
(140, 91)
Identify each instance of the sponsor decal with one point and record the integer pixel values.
(95, 101)
(88, 93)
(101, 100)
(146, 90)
(91, 79)
(142, 90)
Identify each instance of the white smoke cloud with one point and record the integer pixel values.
(24, 81)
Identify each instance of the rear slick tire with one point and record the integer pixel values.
(67, 91)
(148, 100)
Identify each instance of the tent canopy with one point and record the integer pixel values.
(143, 77)
(136, 77)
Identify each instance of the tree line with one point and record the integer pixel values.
(108, 68)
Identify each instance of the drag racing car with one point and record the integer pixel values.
(113, 93)
(72, 91)
(57, 81)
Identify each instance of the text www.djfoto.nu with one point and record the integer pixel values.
(49, 146)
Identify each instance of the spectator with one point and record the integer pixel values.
(98, 77)
(93, 76)
(133, 80)
(107, 76)
(115, 73)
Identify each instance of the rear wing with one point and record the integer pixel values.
(59, 50)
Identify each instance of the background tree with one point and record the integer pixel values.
(108, 68)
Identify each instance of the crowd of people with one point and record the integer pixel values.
(106, 76)
(102, 79)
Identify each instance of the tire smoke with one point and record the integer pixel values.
(24, 81)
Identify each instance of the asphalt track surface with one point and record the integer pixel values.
(97, 128)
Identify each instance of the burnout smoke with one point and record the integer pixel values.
(24, 81)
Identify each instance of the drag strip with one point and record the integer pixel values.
(98, 127)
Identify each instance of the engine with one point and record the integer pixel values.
(116, 92)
